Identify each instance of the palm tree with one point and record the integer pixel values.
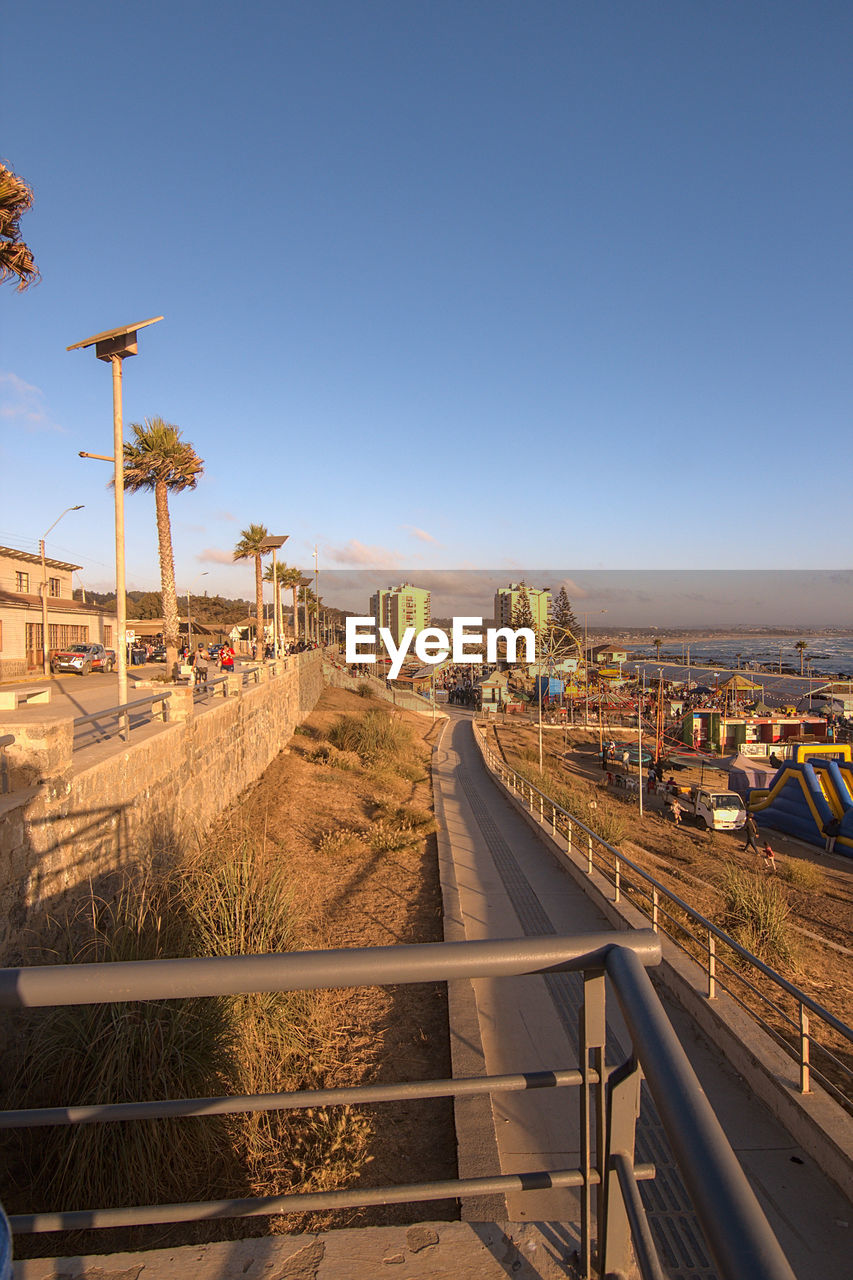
(658, 643)
(802, 645)
(292, 578)
(16, 258)
(251, 547)
(159, 459)
(283, 578)
(306, 595)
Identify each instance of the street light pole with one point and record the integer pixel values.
(44, 628)
(190, 618)
(274, 543)
(113, 346)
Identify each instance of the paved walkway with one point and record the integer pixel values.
(510, 885)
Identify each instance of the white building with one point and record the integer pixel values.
(69, 621)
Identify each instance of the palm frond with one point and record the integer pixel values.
(16, 258)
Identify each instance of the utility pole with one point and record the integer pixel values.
(316, 599)
(44, 622)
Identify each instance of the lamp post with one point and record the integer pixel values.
(189, 615)
(113, 346)
(273, 543)
(586, 661)
(44, 644)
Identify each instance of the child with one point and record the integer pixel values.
(769, 859)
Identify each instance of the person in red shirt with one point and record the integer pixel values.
(226, 659)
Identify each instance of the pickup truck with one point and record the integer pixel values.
(719, 810)
(83, 658)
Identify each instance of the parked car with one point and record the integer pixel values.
(83, 658)
(158, 653)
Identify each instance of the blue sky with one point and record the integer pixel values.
(444, 284)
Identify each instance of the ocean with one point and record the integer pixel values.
(824, 656)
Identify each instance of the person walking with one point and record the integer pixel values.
(769, 859)
(830, 829)
(751, 833)
(226, 659)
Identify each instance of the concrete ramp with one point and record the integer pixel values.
(502, 881)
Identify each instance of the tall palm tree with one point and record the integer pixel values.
(802, 645)
(283, 578)
(16, 258)
(250, 547)
(159, 459)
(292, 578)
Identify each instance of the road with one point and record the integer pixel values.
(84, 695)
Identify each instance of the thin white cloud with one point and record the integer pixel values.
(224, 515)
(420, 534)
(355, 552)
(213, 555)
(24, 405)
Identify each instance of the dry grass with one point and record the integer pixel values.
(803, 875)
(757, 914)
(227, 897)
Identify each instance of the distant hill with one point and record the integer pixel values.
(142, 605)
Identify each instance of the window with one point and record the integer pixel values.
(54, 586)
(108, 637)
(22, 582)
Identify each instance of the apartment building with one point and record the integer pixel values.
(507, 600)
(401, 607)
(69, 621)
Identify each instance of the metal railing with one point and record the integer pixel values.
(797, 1020)
(736, 1230)
(6, 740)
(121, 715)
(207, 685)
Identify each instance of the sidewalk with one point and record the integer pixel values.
(509, 885)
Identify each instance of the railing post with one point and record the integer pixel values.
(569, 833)
(617, 881)
(553, 819)
(805, 1083)
(623, 1107)
(593, 1032)
(655, 908)
(541, 807)
(712, 966)
(589, 853)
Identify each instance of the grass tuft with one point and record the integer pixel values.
(803, 875)
(757, 914)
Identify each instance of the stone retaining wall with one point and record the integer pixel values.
(76, 826)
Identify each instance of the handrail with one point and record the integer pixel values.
(734, 1224)
(712, 931)
(121, 708)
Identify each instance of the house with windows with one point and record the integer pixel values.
(69, 621)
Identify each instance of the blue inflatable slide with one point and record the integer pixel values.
(806, 792)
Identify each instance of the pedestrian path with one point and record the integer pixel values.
(509, 885)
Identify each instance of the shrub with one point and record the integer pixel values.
(756, 913)
(338, 840)
(90, 1054)
(364, 690)
(387, 837)
(803, 875)
(373, 736)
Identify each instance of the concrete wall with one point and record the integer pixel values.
(64, 826)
